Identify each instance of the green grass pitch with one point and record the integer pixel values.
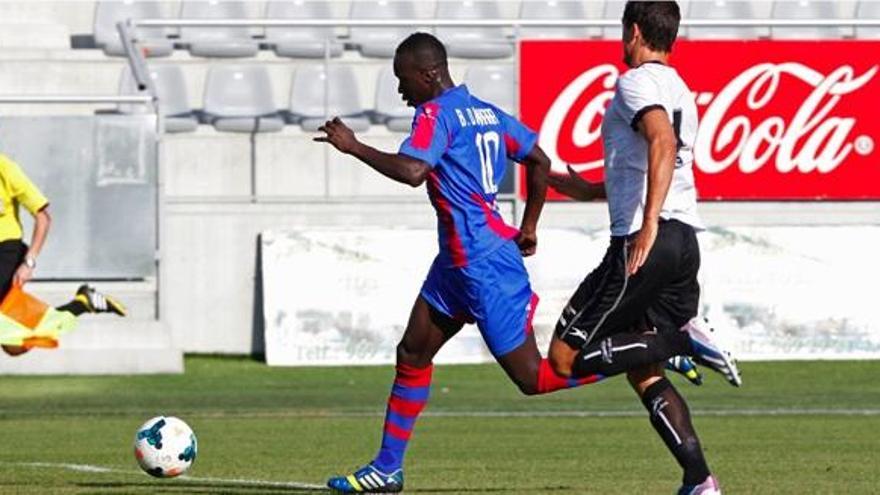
(794, 428)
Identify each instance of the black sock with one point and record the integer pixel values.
(622, 352)
(75, 307)
(672, 420)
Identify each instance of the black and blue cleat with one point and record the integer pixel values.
(368, 479)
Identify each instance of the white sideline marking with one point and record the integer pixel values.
(239, 481)
(88, 468)
(83, 468)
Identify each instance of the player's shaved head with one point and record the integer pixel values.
(425, 49)
(420, 66)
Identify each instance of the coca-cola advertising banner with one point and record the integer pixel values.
(779, 120)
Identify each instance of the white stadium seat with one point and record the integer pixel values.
(554, 9)
(473, 42)
(868, 10)
(613, 11)
(239, 98)
(109, 13)
(173, 99)
(391, 110)
(494, 84)
(304, 42)
(380, 41)
(805, 9)
(217, 41)
(724, 10)
(318, 92)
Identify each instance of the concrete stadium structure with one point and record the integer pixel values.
(220, 190)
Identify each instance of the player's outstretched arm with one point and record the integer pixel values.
(401, 168)
(572, 185)
(537, 169)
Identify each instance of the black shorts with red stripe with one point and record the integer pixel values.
(663, 294)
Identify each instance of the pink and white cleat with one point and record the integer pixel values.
(709, 352)
(709, 486)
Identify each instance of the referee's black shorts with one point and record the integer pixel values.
(662, 295)
(12, 253)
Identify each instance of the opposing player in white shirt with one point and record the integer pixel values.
(639, 306)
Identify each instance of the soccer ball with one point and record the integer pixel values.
(165, 447)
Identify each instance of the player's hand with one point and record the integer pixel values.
(22, 275)
(527, 240)
(339, 135)
(572, 185)
(640, 247)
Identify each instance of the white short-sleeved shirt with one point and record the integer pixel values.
(649, 86)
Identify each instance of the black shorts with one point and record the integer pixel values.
(12, 253)
(662, 295)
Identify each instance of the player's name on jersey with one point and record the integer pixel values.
(476, 116)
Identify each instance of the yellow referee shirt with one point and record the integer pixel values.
(16, 189)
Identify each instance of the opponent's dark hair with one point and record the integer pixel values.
(425, 46)
(658, 22)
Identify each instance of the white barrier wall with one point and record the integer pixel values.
(793, 292)
(342, 296)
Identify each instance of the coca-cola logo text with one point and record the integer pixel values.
(769, 109)
(825, 142)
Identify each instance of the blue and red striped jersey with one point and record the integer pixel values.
(467, 143)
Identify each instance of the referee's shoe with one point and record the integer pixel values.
(708, 352)
(96, 302)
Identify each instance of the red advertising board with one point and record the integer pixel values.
(779, 120)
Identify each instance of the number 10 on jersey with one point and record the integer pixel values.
(488, 145)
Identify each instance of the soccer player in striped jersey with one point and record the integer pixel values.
(459, 146)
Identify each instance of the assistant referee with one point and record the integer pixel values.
(18, 260)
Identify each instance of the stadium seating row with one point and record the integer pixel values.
(480, 42)
(239, 97)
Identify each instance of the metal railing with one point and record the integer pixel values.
(514, 23)
(128, 29)
(76, 99)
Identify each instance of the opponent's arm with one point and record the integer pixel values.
(537, 169)
(396, 166)
(655, 126)
(574, 186)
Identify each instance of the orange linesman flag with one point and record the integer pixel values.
(29, 322)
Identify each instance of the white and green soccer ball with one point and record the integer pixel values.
(165, 447)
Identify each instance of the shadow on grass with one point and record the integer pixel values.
(218, 488)
(497, 489)
(169, 487)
